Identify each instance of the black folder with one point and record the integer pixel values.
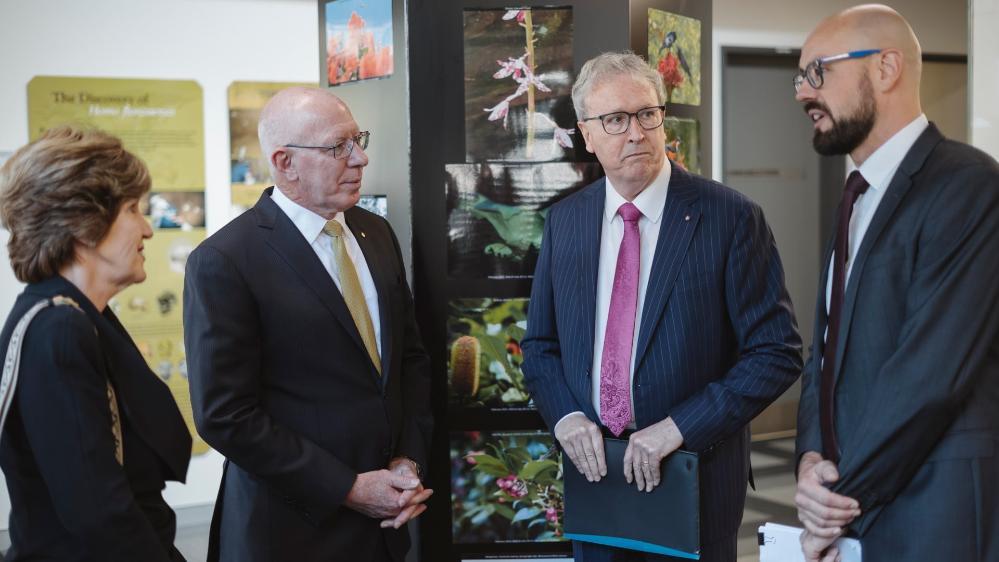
(614, 513)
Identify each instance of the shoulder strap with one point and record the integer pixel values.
(12, 363)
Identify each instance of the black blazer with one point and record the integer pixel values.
(282, 386)
(917, 381)
(717, 340)
(70, 500)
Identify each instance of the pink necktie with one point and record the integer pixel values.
(615, 363)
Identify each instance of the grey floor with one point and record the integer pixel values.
(192, 542)
(773, 500)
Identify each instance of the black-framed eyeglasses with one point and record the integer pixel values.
(815, 70)
(341, 150)
(618, 122)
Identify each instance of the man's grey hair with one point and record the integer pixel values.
(607, 66)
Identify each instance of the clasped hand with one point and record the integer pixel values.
(583, 443)
(824, 514)
(394, 495)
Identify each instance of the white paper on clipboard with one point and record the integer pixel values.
(779, 543)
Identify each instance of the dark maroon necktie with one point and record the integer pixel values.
(856, 185)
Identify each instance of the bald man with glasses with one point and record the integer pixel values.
(306, 367)
(898, 424)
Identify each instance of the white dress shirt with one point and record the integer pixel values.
(879, 169)
(651, 202)
(311, 226)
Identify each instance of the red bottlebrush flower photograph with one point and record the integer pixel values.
(358, 40)
(675, 52)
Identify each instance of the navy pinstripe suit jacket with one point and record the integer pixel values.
(717, 341)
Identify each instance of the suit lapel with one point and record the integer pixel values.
(372, 257)
(821, 309)
(156, 419)
(897, 189)
(587, 238)
(676, 229)
(288, 242)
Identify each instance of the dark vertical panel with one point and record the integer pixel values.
(436, 98)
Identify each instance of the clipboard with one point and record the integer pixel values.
(614, 513)
(779, 543)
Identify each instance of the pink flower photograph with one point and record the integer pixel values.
(518, 77)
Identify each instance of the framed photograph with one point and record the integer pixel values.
(496, 214)
(683, 142)
(358, 40)
(518, 79)
(675, 52)
(377, 204)
(506, 487)
(175, 209)
(484, 354)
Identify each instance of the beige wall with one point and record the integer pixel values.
(984, 61)
(944, 93)
(211, 41)
(941, 25)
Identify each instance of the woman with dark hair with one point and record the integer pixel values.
(89, 433)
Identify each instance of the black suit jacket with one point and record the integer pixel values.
(917, 382)
(717, 340)
(282, 386)
(70, 500)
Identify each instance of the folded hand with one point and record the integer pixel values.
(646, 450)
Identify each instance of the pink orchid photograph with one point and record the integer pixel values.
(518, 77)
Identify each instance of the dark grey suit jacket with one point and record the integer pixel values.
(917, 378)
(282, 386)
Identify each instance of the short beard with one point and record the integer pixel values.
(849, 132)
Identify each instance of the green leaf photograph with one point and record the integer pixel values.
(496, 214)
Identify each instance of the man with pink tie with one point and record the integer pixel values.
(658, 311)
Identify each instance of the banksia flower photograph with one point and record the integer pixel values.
(485, 356)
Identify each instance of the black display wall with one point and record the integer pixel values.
(463, 280)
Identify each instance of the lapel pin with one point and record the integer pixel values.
(363, 235)
(686, 218)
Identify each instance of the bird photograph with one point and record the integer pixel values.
(675, 53)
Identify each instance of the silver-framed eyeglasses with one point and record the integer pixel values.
(815, 70)
(618, 122)
(341, 150)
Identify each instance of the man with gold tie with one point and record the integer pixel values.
(306, 367)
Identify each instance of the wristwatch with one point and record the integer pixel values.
(416, 467)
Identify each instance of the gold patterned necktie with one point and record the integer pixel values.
(350, 287)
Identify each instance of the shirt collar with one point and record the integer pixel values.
(651, 201)
(880, 167)
(307, 222)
